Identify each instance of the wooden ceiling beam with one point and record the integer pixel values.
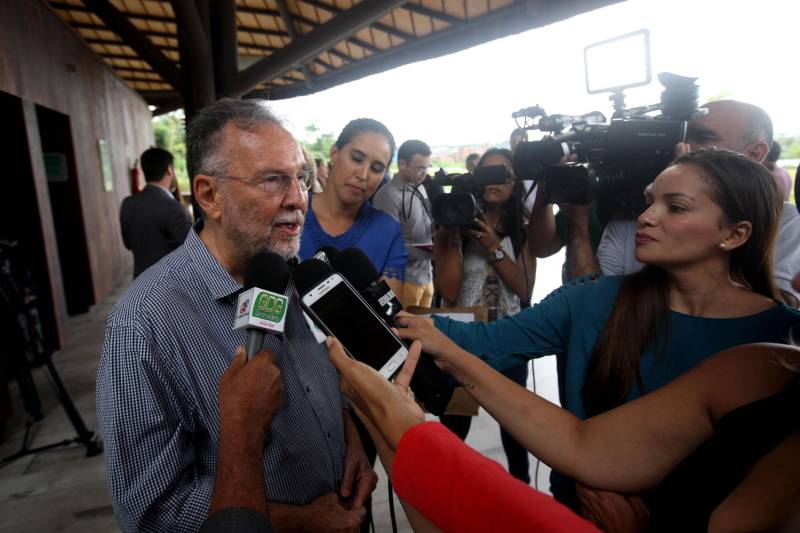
(133, 37)
(377, 25)
(428, 12)
(311, 44)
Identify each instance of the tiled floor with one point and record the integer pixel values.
(61, 490)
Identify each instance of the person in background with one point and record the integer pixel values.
(472, 162)
(406, 201)
(489, 267)
(517, 136)
(707, 239)
(311, 167)
(340, 216)
(322, 172)
(780, 173)
(153, 223)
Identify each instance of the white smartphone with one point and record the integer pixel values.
(339, 310)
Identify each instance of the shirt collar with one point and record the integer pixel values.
(166, 191)
(220, 283)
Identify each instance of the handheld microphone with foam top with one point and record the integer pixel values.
(327, 254)
(429, 382)
(262, 306)
(357, 268)
(309, 273)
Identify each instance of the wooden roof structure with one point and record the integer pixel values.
(186, 53)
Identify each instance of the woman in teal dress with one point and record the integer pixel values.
(707, 238)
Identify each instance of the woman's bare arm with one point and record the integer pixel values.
(634, 446)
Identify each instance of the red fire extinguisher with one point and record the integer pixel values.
(135, 177)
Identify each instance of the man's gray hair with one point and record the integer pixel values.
(204, 139)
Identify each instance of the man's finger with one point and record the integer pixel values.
(265, 354)
(365, 486)
(346, 487)
(403, 378)
(238, 361)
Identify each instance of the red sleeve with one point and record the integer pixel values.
(458, 489)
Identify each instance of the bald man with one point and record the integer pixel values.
(738, 126)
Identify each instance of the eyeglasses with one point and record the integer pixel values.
(276, 184)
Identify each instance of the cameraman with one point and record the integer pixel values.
(737, 126)
(488, 267)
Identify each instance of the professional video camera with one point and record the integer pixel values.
(609, 162)
(462, 205)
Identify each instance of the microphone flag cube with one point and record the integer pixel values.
(257, 308)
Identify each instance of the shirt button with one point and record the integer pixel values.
(308, 389)
(329, 434)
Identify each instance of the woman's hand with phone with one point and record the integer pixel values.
(445, 352)
(388, 406)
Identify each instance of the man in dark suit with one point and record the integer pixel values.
(153, 222)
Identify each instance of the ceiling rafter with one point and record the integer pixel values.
(136, 40)
(391, 30)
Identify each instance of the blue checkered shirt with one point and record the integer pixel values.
(168, 341)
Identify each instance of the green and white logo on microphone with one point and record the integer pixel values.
(261, 309)
(270, 306)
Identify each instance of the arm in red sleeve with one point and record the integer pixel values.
(458, 489)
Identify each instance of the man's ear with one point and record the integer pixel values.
(206, 194)
(738, 235)
(756, 151)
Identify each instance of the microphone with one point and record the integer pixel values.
(309, 274)
(326, 254)
(428, 382)
(261, 306)
(357, 268)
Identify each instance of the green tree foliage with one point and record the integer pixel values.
(320, 147)
(170, 133)
(790, 147)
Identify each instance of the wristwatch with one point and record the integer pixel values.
(497, 255)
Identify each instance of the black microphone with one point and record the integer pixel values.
(326, 254)
(309, 274)
(262, 305)
(358, 269)
(428, 382)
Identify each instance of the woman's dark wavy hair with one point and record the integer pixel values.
(361, 125)
(514, 208)
(745, 191)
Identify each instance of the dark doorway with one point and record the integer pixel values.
(19, 218)
(65, 201)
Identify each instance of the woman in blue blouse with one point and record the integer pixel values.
(707, 238)
(340, 216)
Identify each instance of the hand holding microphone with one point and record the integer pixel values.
(250, 393)
(262, 306)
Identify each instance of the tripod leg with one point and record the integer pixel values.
(85, 437)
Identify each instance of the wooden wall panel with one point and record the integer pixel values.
(44, 62)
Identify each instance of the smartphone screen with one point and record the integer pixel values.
(359, 330)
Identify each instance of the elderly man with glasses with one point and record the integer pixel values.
(170, 338)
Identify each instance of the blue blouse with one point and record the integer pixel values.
(568, 322)
(377, 234)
